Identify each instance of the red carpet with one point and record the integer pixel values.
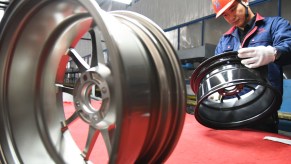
(202, 145)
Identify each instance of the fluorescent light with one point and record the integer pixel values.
(124, 1)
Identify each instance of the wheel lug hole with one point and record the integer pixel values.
(78, 104)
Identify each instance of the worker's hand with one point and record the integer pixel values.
(254, 57)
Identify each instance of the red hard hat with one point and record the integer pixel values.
(220, 6)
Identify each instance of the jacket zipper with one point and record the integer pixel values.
(248, 35)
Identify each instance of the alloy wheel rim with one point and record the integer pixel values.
(230, 95)
(36, 49)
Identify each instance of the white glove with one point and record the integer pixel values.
(254, 57)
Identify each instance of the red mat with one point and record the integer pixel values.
(199, 144)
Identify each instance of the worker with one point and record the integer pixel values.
(259, 41)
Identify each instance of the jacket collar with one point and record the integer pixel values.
(231, 30)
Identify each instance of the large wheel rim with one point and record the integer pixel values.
(143, 86)
(230, 95)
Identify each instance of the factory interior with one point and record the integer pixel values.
(138, 81)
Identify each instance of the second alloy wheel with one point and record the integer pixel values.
(230, 95)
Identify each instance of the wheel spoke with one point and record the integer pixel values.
(91, 139)
(66, 89)
(107, 137)
(94, 61)
(67, 122)
(82, 65)
(238, 96)
(222, 98)
(97, 53)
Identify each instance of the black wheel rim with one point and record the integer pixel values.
(230, 95)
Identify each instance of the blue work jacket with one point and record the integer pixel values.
(273, 31)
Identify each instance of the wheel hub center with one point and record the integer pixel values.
(87, 104)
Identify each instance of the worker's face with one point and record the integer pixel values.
(235, 15)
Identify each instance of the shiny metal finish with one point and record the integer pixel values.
(164, 138)
(231, 95)
(141, 84)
